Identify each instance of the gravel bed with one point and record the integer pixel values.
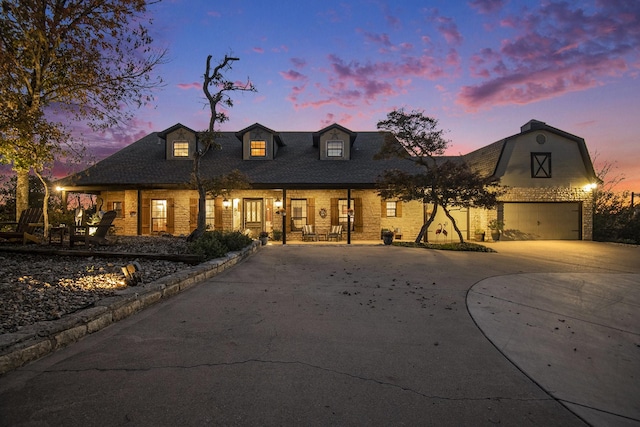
(35, 288)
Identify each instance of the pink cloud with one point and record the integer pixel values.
(214, 13)
(188, 86)
(449, 30)
(258, 50)
(557, 48)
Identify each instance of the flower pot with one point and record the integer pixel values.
(495, 235)
(479, 237)
(387, 239)
(264, 240)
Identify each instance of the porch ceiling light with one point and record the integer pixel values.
(226, 203)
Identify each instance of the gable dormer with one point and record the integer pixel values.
(334, 142)
(180, 142)
(259, 142)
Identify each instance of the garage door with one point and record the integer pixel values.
(542, 221)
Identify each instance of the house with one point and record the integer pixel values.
(328, 177)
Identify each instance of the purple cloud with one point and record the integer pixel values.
(487, 6)
(557, 49)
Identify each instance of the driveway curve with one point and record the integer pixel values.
(309, 335)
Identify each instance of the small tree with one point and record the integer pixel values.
(216, 88)
(444, 184)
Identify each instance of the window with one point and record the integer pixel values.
(298, 214)
(117, 206)
(392, 209)
(258, 148)
(541, 165)
(210, 208)
(335, 148)
(343, 213)
(158, 215)
(180, 149)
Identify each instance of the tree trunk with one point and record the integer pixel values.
(453, 222)
(22, 191)
(45, 204)
(423, 231)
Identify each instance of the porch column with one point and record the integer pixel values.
(284, 216)
(348, 216)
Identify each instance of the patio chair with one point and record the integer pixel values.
(308, 233)
(29, 220)
(83, 233)
(335, 233)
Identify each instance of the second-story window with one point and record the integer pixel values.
(258, 148)
(335, 148)
(180, 149)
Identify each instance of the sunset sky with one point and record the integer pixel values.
(483, 68)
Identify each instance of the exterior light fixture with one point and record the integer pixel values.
(226, 203)
(590, 187)
(58, 188)
(278, 203)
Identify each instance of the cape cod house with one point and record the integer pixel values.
(328, 178)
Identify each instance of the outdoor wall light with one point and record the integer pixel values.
(226, 203)
(278, 203)
(590, 187)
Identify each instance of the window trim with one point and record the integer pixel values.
(331, 150)
(256, 151)
(541, 165)
(393, 209)
(182, 151)
(153, 228)
(304, 219)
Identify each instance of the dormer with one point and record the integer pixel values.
(259, 142)
(180, 142)
(334, 142)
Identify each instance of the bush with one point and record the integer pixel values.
(216, 244)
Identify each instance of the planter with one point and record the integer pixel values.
(264, 240)
(495, 235)
(479, 237)
(387, 238)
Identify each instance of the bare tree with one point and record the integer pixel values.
(217, 89)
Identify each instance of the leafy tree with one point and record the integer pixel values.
(217, 89)
(85, 60)
(443, 183)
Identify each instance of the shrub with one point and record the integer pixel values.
(215, 244)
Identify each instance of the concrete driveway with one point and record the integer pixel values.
(330, 335)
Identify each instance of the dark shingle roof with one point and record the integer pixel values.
(297, 164)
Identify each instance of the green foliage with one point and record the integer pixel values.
(457, 246)
(277, 235)
(215, 244)
(444, 183)
(614, 219)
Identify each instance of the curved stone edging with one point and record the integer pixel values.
(35, 341)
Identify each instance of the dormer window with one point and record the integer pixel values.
(258, 148)
(180, 149)
(335, 148)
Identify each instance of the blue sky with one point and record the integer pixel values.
(483, 68)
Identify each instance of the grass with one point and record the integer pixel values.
(454, 246)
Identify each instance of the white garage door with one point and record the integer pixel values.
(542, 221)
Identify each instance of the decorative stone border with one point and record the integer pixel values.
(35, 341)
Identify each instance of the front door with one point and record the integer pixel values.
(253, 216)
